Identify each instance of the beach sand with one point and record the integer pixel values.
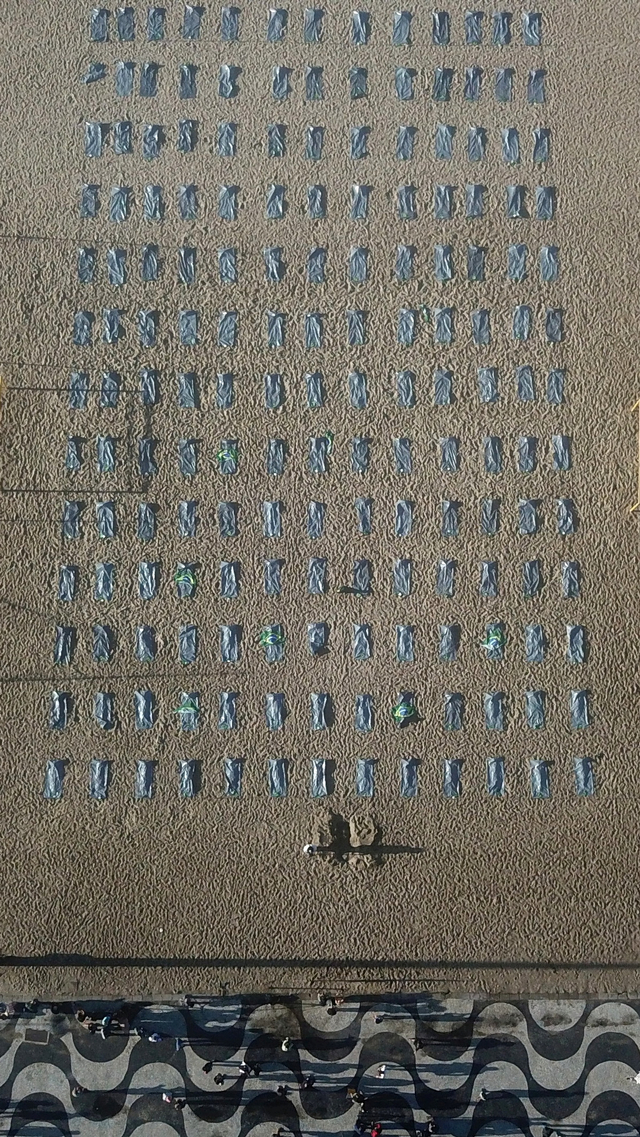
(505, 895)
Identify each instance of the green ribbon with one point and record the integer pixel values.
(185, 576)
(188, 707)
(229, 454)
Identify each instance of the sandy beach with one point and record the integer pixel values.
(477, 892)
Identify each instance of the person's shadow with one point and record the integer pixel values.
(343, 844)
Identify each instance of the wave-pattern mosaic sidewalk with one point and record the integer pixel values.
(512, 1066)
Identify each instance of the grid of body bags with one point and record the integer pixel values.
(150, 22)
(490, 452)
(445, 260)
(311, 388)
(526, 519)
(495, 707)
(320, 780)
(446, 140)
(104, 580)
(444, 201)
(531, 642)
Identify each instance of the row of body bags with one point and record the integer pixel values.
(500, 30)
(275, 390)
(322, 780)
(495, 710)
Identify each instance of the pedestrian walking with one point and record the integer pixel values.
(309, 849)
(376, 1129)
(207, 1068)
(179, 1044)
(154, 1036)
(179, 1103)
(419, 1044)
(307, 1083)
(245, 1069)
(484, 1094)
(77, 1090)
(283, 1091)
(634, 1078)
(219, 1079)
(256, 1070)
(286, 1044)
(167, 1096)
(381, 1071)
